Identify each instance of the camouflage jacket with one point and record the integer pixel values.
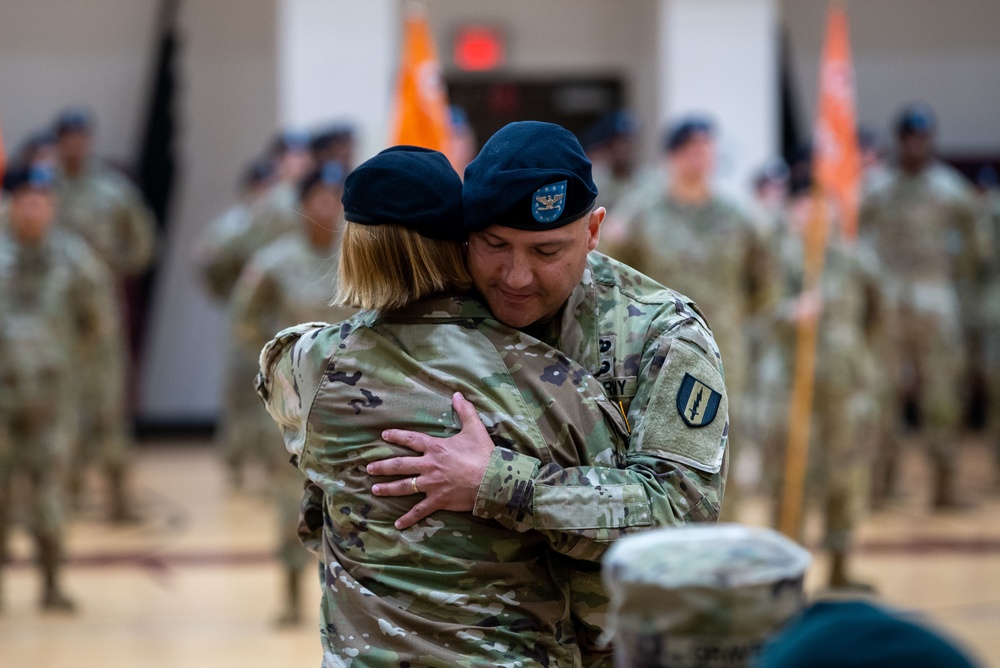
(285, 283)
(655, 356)
(104, 208)
(455, 589)
(233, 238)
(928, 233)
(52, 303)
(713, 253)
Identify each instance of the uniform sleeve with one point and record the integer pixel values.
(95, 312)
(136, 232)
(254, 298)
(672, 471)
(217, 258)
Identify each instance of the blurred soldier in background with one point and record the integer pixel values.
(287, 283)
(224, 252)
(770, 197)
(844, 416)
(104, 208)
(697, 596)
(334, 143)
(611, 146)
(873, 168)
(462, 142)
(701, 245)
(51, 288)
(989, 190)
(922, 220)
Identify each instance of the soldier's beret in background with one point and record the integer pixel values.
(290, 140)
(529, 176)
(330, 174)
(915, 119)
(74, 119)
(35, 177)
(855, 634)
(413, 187)
(680, 133)
(331, 136)
(618, 123)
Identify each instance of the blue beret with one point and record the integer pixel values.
(856, 634)
(331, 136)
(413, 187)
(915, 119)
(290, 140)
(681, 132)
(74, 119)
(35, 177)
(619, 123)
(529, 176)
(330, 174)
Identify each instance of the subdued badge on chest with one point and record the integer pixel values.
(615, 387)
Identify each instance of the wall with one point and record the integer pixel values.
(944, 53)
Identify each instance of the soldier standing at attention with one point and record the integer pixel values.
(922, 221)
(286, 283)
(51, 286)
(611, 146)
(698, 243)
(102, 206)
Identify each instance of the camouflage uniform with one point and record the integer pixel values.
(455, 589)
(222, 253)
(844, 416)
(716, 255)
(50, 309)
(699, 597)
(283, 284)
(991, 322)
(924, 229)
(104, 208)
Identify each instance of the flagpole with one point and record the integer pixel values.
(800, 410)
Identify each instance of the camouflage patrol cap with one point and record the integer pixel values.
(700, 595)
(529, 176)
(409, 186)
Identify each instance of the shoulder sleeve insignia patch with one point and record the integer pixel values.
(697, 403)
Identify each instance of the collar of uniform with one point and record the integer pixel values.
(440, 307)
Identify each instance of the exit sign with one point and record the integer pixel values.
(479, 48)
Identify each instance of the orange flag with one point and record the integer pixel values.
(422, 117)
(837, 158)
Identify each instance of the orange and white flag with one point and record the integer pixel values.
(837, 160)
(421, 117)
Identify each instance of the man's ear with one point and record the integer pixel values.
(594, 227)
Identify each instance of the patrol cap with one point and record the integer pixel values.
(529, 176)
(409, 186)
(330, 174)
(74, 119)
(680, 133)
(915, 119)
(35, 177)
(858, 634)
(700, 594)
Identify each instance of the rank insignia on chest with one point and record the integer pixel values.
(697, 402)
(548, 202)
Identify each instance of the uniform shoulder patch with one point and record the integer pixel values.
(697, 403)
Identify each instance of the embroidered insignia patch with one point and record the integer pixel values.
(697, 402)
(548, 202)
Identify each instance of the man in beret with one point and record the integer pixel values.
(530, 207)
(52, 293)
(923, 222)
(692, 239)
(101, 205)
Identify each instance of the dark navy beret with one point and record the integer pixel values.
(856, 634)
(36, 177)
(618, 123)
(529, 176)
(331, 136)
(915, 119)
(75, 119)
(330, 174)
(413, 187)
(290, 140)
(681, 132)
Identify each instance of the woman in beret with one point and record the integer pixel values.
(455, 589)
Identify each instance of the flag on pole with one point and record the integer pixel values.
(836, 169)
(837, 158)
(421, 117)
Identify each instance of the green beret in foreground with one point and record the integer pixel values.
(701, 595)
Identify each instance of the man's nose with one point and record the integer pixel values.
(517, 274)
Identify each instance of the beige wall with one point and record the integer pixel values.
(944, 53)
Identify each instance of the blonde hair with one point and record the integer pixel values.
(388, 266)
